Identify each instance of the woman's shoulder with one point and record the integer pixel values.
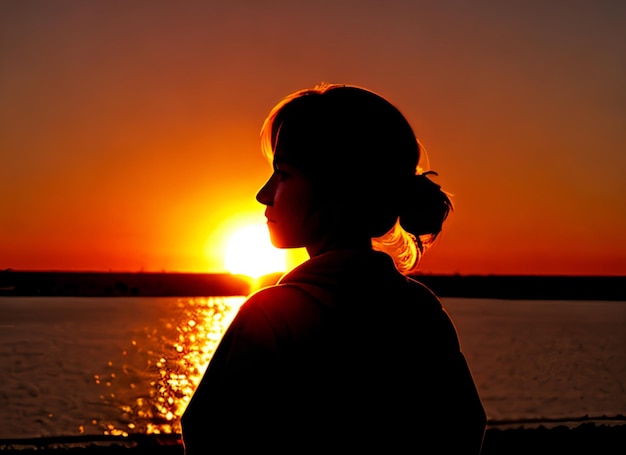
(285, 306)
(278, 295)
(424, 292)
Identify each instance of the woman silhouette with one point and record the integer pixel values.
(346, 353)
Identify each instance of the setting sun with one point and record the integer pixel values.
(250, 252)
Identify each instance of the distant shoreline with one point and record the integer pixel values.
(166, 284)
(584, 439)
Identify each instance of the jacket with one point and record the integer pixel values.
(343, 354)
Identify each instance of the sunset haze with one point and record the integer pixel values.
(129, 131)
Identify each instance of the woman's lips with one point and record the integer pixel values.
(269, 220)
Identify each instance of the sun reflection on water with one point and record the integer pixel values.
(163, 365)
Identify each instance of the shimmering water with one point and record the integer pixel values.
(104, 365)
(163, 365)
(71, 366)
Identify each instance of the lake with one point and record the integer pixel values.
(120, 365)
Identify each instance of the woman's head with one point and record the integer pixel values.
(360, 156)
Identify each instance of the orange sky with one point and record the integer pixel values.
(129, 130)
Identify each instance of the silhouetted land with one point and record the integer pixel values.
(93, 284)
(587, 439)
(111, 284)
(529, 287)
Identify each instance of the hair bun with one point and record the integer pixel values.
(426, 206)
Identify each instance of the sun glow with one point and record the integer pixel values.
(250, 252)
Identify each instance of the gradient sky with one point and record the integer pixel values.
(129, 130)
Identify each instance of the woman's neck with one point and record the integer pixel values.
(339, 244)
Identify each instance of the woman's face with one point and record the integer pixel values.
(292, 218)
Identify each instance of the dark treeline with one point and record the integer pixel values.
(531, 287)
(41, 283)
(110, 284)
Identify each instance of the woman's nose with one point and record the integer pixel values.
(266, 194)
